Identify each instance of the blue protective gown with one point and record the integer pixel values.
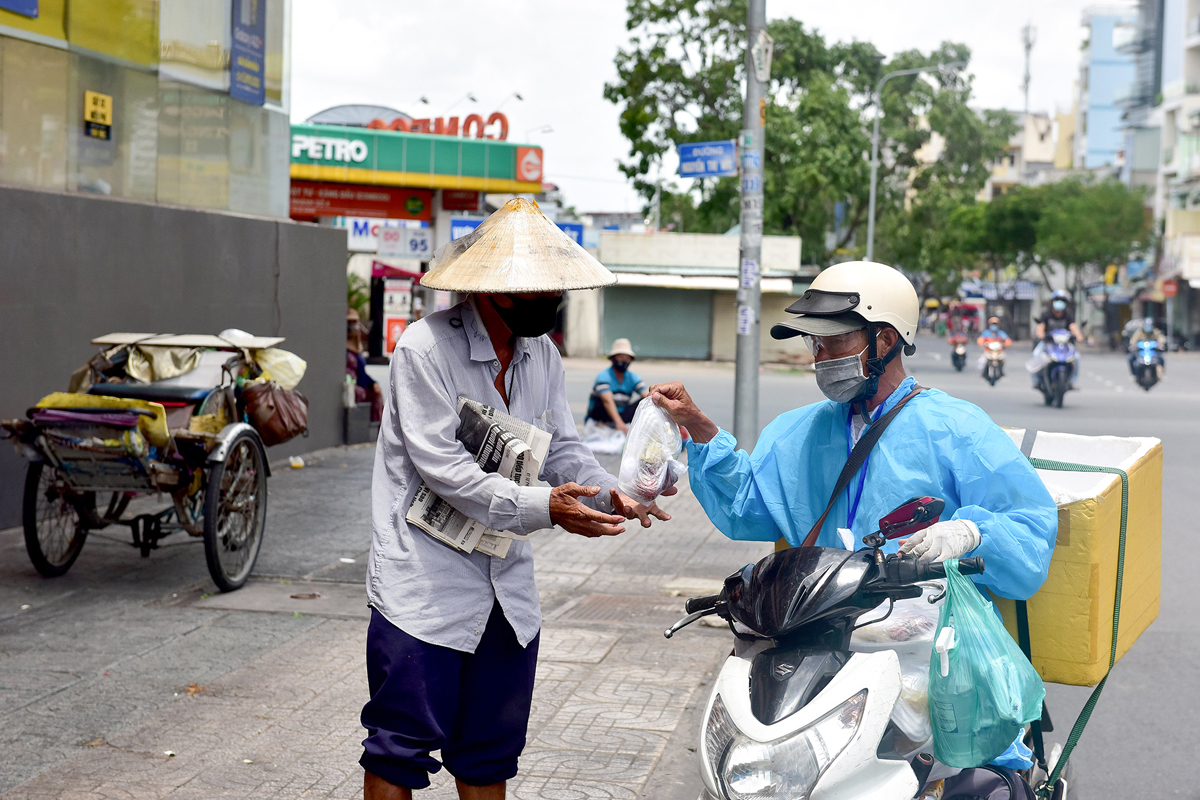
(938, 445)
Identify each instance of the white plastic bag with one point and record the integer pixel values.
(909, 631)
(602, 439)
(648, 466)
(1037, 362)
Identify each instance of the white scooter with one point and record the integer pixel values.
(798, 715)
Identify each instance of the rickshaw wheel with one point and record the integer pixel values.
(235, 513)
(54, 520)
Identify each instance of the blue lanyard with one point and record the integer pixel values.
(862, 475)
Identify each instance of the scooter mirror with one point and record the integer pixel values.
(914, 515)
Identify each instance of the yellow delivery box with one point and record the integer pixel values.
(1071, 616)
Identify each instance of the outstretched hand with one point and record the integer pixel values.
(675, 400)
(631, 509)
(573, 516)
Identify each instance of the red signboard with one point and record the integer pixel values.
(460, 200)
(1170, 288)
(312, 199)
(529, 164)
(394, 329)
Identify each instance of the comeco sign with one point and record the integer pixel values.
(327, 148)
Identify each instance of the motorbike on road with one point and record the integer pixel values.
(1054, 378)
(958, 351)
(1148, 364)
(797, 711)
(993, 362)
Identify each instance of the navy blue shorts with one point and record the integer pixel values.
(474, 707)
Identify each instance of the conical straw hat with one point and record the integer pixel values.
(516, 249)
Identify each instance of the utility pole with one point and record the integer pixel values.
(749, 296)
(1028, 37)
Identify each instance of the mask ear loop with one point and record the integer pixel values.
(875, 368)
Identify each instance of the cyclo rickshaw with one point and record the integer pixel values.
(114, 438)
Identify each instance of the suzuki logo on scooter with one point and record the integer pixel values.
(783, 670)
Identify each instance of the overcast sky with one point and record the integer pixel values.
(558, 56)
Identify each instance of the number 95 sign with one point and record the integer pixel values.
(405, 243)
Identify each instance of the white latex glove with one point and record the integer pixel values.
(943, 540)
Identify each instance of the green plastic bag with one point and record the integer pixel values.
(982, 689)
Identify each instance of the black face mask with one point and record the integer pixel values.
(530, 317)
(621, 366)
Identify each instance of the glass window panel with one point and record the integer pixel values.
(278, 55)
(193, 146)
(125, 29)
(49, 21)
(194, 41)
(125, 164)
(33, 114)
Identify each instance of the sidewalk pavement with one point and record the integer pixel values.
(615, 705)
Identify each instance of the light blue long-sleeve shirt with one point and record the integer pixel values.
(937, 445)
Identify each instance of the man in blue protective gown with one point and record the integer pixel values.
(856, 318)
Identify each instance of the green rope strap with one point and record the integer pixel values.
(1045, 789)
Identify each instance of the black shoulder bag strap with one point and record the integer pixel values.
(1039, 747)
(857, 456)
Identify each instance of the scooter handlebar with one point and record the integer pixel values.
(935, 569)
(695, 604)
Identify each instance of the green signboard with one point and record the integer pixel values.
(340, 154)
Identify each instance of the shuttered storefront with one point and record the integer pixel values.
(661, 323)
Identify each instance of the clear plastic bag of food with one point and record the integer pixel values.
(648, 465)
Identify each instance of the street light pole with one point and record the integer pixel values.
(875, 142)
(749, 295)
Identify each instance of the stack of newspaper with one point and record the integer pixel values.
(500, 443)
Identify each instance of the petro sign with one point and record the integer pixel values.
(327, 148)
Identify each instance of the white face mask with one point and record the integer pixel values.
(841, 379)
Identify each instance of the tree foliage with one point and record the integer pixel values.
(681, 79)
(1080, 225)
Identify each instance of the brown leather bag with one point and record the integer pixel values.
(277, 414)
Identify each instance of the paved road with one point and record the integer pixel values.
(95, 667)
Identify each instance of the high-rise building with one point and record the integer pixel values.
(1105, 72)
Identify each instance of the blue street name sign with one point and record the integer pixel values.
(708, 159)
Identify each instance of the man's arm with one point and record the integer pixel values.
(1076, 332)
(610, 406)
(1040, 330)
(425, 423)
(721, 477)
(1001, 493)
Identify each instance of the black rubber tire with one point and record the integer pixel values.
(67, 513)
(243, 472)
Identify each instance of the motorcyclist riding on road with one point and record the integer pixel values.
(1056, 319)
(1147, 332)
(994, 333)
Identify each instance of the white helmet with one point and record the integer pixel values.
(851, 296)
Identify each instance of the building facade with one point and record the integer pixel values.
(172, 101)
(1106, 71)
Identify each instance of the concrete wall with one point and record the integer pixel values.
(770, 351)
(73, 267)
(693, 250)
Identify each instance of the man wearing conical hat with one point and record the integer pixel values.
(452, 643)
